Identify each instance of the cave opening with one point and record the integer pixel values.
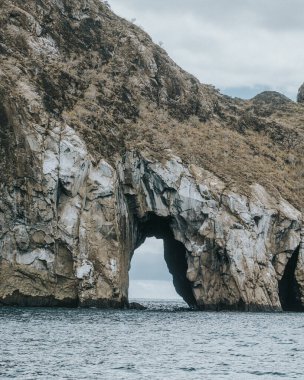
(174, 254)
(288, 287)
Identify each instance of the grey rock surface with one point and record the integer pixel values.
(300, 97)
(224, 249)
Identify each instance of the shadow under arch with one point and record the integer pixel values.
(289, 291)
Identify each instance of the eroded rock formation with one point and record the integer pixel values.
(104, 141)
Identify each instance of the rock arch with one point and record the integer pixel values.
(77, 183)
(83, 219)
(228, 238)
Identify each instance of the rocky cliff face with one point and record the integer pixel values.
(104, 141)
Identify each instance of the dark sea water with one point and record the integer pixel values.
(162, 342)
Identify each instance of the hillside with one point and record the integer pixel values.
(79, 62)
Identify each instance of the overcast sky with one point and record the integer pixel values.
(240, 46)
(149, 274)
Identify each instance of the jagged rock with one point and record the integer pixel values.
(136, 306)
(300, 97)
(104, 141)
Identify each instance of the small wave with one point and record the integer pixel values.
(261, 373)
(188, 369)
(127, 367)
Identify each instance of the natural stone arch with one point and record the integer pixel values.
(228, 237)
(76, 177)
(92, 216)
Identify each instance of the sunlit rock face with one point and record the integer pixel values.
(104, 141)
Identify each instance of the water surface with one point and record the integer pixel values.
(163, 342)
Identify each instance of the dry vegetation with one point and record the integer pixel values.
(240, 159)
(120, 91)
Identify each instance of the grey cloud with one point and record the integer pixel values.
(148, 262)
(153, 290)
(232, 44)
(277, 14)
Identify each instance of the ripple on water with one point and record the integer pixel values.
(166, 341)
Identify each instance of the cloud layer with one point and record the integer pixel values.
(149, 275)
(240, 46)
(148, 262)
(152, 289)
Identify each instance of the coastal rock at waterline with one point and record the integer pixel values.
(224, 249)
(105, 141)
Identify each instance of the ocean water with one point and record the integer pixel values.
(163, 342)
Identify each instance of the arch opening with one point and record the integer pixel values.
(149, 277)
(175, 253)
(288, 286)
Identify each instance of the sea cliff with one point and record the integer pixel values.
(105, 141)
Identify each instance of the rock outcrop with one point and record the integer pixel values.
(300, 97)
(104, 141)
